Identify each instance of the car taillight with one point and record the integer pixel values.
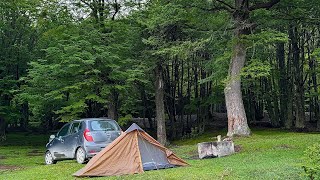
(87, 135)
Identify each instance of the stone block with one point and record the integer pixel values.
(215, 149)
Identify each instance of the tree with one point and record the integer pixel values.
(17, 46)
(240, 13)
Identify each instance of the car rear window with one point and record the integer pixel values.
(99, 125)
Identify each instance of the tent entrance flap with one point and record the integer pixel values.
(152, 157)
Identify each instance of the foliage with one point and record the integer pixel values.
(123, 121)
(78, 69)
(256, 69)
(311, 164)
(63, 60)
(17, 35)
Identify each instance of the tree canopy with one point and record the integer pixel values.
(179, 64)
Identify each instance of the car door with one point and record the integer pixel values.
(58, 144)
(71, 141)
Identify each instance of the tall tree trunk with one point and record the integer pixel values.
(289, 120)
(203, 109)
(314, 101)
(316, 98)
(299, 89)
(196, 96)
(181, 101)
(283, 87)
(188, 97)
(237, 120)
(268, 99)
(275, 99)
(160, 115)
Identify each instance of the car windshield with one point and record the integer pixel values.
(100, 125)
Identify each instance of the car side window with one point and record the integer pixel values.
(64, 130)
(75, 127)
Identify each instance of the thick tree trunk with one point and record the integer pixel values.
(160, 115)
(112, 114)
(289, 120)
(316, 98)
(237, 120)
(299, 89)
(314, 101)
(283, 84)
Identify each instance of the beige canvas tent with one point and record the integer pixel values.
(134, 151)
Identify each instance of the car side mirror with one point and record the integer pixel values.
(51, 137)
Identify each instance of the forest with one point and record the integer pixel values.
(179, 64)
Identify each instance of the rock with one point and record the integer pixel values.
(215, 149)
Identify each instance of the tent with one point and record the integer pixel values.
(134, 151)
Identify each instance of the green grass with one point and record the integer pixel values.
(267, 154)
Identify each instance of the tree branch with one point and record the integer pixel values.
(87, 3)
(305, 79)
(266, 5)
(116, 7)
(228, 6)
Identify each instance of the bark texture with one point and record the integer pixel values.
(237, 120)
(283, 84)
(298, 80)
(160, 115)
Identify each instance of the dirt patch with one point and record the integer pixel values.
(283, 146)
(35, 152)
(237, 148)
(8, 167)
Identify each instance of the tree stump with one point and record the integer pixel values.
(215, 149)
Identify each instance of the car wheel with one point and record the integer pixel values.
(48, 158)
(81, 155)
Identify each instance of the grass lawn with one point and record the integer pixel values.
(267, 154)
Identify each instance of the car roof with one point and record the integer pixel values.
(95, 119)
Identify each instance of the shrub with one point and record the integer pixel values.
(123, 121)
(311, 163)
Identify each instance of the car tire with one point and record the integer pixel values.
(81, 155)
(48, 158)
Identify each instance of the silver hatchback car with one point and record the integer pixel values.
(81, 139)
